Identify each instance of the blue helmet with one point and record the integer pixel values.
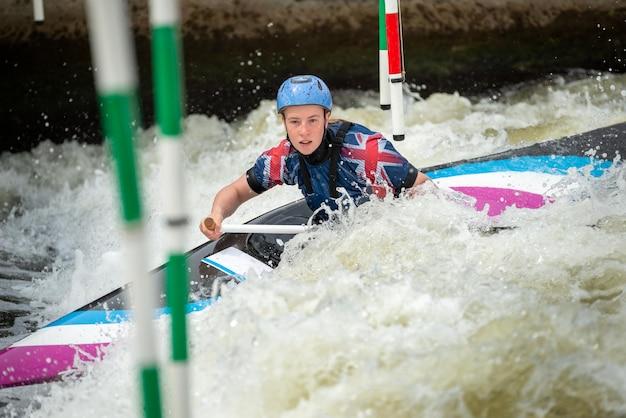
(303, 90)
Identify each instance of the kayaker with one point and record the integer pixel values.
(330, 161)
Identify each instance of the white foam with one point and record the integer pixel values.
(407, 308)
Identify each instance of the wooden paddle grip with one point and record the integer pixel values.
(209, 224)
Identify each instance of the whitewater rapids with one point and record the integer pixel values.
(404, 309)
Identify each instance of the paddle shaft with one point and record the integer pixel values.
(209, 223)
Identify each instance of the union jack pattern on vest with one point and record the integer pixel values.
(368, 164)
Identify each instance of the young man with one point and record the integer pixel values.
(320, 156)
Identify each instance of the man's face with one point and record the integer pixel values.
(305, 126)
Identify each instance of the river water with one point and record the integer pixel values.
(404, 309)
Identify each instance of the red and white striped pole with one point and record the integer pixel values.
(396, 66)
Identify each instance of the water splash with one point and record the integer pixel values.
(409, 307)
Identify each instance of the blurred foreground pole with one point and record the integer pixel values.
(168, 82)
(383, 60)
(396, 66)
(38, 13)
(116, 84)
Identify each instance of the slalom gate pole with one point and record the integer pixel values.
(383, 60)
(116, 84)
(38, 11)
(396, 66)
(167, 70)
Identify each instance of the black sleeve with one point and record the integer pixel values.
(254, 184)
(408, 182)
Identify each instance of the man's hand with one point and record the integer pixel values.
(211, 227)
(225, 203)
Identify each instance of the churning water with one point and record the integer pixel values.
(406, 308)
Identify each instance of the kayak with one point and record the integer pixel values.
(524, 178)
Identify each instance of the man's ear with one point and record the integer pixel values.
(326, 118)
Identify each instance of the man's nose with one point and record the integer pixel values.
(303, 129)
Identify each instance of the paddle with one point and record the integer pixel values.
(209, 223)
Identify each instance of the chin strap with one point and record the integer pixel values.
(335, 150)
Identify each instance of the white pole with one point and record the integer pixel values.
(38, 11)
(383, 81)
(383, 59)
(397, 110)
(209, 224)
(264, 229)
(111, 47)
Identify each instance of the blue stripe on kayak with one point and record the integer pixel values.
(124, 315)
(221, 267)
(550, 164)
(118, 316)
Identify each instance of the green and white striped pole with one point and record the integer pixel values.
(167, 69)
(383, 59)
(116, 84)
